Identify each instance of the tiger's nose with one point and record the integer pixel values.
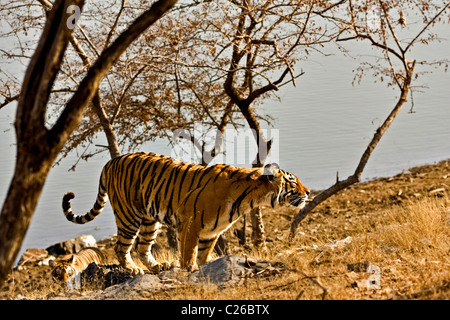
(307, 192)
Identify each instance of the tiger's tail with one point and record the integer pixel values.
(99, 204)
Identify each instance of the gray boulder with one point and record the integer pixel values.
(227, 270)
(136, 288)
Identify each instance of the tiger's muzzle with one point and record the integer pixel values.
(297, 199)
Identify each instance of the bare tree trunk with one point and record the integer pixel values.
(355, 178)
(244, 102)
(35, 152)
(258, 233)
(113, 146)
(263, 149)
(21, 199)
(240, 233)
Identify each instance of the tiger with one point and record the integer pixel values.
(200, 202)
(68, 269)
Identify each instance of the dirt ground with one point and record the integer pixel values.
(388, 223)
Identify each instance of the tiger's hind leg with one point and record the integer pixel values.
(148, 232)
(125, 239)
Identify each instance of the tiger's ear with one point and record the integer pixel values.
(271, 170)
(71, 259)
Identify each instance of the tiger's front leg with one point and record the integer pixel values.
(205, 248)
(188, 242)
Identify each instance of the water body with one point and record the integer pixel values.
(323, 127)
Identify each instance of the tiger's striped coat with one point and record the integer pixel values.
(146, 189)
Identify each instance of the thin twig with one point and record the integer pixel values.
(426, 27)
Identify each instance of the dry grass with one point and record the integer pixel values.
(409, 243)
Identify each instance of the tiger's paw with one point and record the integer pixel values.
(155, 269)
(158, 267)
(127, 263)
(188, 265)
(135, 271)
(192, 268)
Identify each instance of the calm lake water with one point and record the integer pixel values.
(324, 125)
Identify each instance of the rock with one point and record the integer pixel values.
(32, 256)
(339, 244)
(146, 282)
(72, 245)
(96, 276)
(135, 288)
(228, 270)
(426, 242)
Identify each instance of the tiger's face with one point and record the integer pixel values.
(289, 187)
(62, 270)
(293, 190)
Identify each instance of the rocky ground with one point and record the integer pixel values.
(398, 226)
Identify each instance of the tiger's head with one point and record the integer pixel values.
(288, 187)
(63, 269)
